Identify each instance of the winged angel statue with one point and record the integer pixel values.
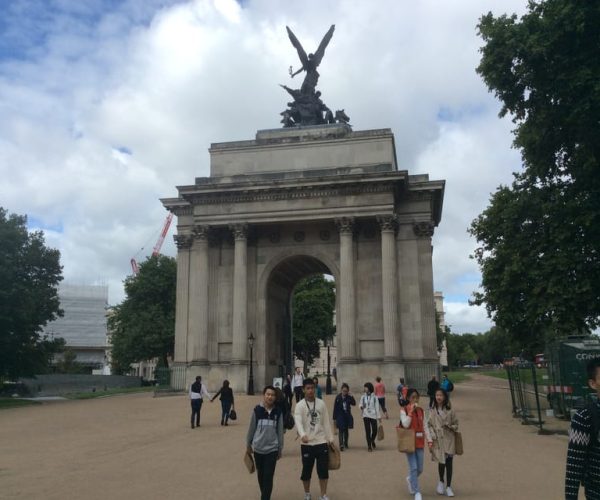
(308, 108)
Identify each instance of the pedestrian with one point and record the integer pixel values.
(297, 382)
(447, 385)
(413, 417)
(371, 413)
(401, 392)
(312, 422)
(583, 455)
(287, 389)
(432, 386)
(281, 403)
(265, 440)
(318, 390)
(197, 394)
(441, 426)
(342, 414)
(227, 402)
(380, 394)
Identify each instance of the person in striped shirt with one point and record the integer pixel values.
(583, 456)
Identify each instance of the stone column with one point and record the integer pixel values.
(183, 242)
(199, 296)
(424, 232)
(239, 351)
(347, 332)
(389, 294)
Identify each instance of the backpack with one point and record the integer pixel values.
(450, 386)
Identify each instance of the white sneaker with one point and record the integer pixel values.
(307, 496)
(324, 497)
(418, 496)
(440, 488)
(449, 492)
(410, 490)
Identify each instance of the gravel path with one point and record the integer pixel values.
(140, 447)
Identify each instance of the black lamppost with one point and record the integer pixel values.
(328, 383)
(251, 377)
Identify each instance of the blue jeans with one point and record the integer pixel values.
(415, 468)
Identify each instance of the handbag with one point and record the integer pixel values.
(335, 457)
(380, 432)
(406, 440)
(458, 443)
(232, 415)
(249, 462)
(288, 421)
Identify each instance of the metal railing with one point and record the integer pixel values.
(171, 378)
(525, 395)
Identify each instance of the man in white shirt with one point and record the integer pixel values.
(314, 428)
(297, 382)
(197, 393)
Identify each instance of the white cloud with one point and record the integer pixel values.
(163, 80)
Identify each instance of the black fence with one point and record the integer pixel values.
(527, 402)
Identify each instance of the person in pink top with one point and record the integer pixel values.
(380, 394)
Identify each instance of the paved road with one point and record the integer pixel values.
(140, 447)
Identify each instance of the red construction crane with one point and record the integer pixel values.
(157, 246)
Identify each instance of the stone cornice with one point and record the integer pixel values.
(288, 193)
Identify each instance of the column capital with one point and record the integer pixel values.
(387, 222)
(183, 241)
(423, 229)
(345, 225)
(201, 233)
(239, 230)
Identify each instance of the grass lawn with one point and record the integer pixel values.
(15, 403)
(458, 376)
(525, 375)
(108, 392)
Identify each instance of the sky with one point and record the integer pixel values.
(107, 105)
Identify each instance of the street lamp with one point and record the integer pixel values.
(251, 377)
(328, 383)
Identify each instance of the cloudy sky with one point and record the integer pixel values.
(107, 105)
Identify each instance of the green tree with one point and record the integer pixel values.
(69, 364)
(540, 238)
(29, 273)
(143, 325)
(313, 306)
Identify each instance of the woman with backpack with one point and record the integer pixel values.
(413, 417)
(342, 415)
(441, 427)
(371, 413)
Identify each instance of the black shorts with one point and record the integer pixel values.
(318, 452)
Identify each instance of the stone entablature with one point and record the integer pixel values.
(247, 236)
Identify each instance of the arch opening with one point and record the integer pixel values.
(281, 285)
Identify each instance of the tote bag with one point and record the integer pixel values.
(335, 458)
(406, 440)
(380, 433)
(249, 462)
(458, 443)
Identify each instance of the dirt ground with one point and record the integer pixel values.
(140, 447)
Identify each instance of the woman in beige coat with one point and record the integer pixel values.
(440, 427)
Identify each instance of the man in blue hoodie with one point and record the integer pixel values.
(265, 440)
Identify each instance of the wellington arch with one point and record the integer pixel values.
(294, 202)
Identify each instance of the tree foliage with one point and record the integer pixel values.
(540, 237)
(491, 347)
(143, 326)
(29, 273)
(313, 306)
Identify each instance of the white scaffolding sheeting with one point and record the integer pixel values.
(84, 320)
